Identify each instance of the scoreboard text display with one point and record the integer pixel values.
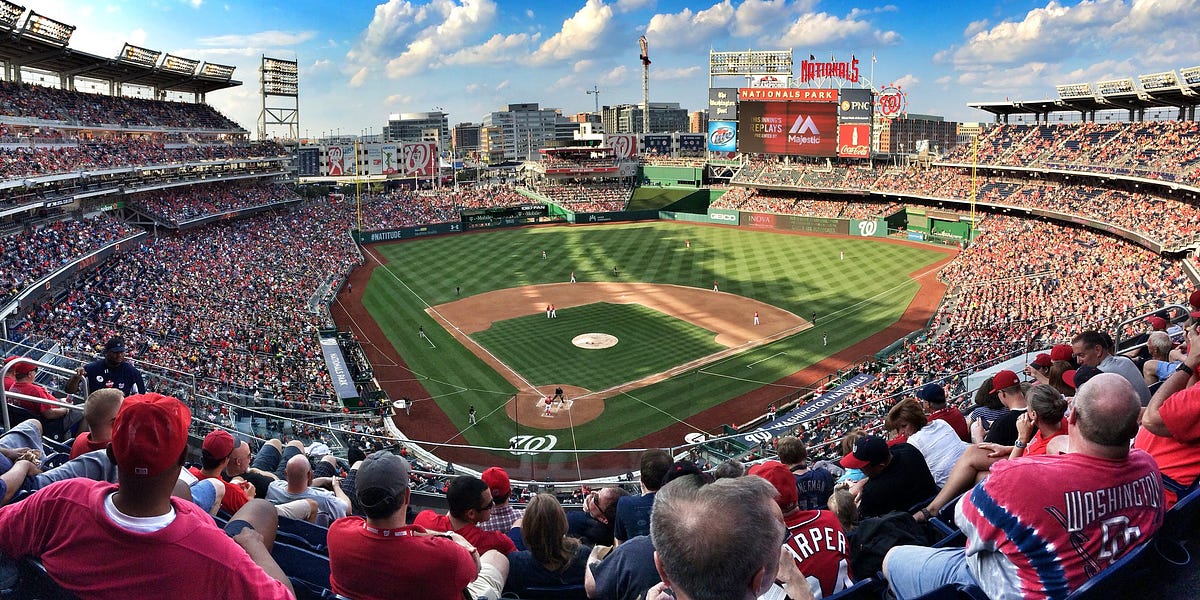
(795, 128)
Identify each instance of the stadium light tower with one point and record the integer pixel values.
(279, 79)
(645, 56)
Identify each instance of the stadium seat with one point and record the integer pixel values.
(871, 588)
(1122, 579)
(565, 592)
(305, 565)
(955, 591)
(31, 581)
(315, 535)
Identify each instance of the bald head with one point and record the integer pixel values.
(1106, 411)
(297, 471)
(239, 460)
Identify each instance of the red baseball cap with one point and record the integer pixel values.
(1042, 360)
(780, 477)
(1062, 352)
(150, 434)
(21, 368)
(219, 444)
(1194, 300)
(1158, 323)
(497, 481)
(1003, 379)
(868, 450)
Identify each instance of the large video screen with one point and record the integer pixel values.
(797, 128)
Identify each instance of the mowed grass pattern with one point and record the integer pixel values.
(853, 298)
(541, 350)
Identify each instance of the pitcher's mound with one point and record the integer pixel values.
(529, 408)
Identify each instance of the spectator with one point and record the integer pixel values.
(814, 485)
(1160, 366)
(594, 524)
(297, 485)
(99, 412)
(503, 515)
(633, 512)
(1094, 349)
(814, 538)
(1027, 533)
(553, 559)
(56, 420)
(1170, 424)
(934, 397)
(380, 557)
(111, 370)
(936, 440)
(1012, 395)
(897, 477)
(470, 502)
(83, 531)
(741, 526)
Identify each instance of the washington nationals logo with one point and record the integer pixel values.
(622, 145)
(417, 158)
(892, 102)
(531, 444)
(867, 228)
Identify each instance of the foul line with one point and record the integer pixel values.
(677, 419)
(751, 365)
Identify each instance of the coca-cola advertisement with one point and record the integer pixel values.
(795, 128)
(854, 140)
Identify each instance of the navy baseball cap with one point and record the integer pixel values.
(115, 344)
(933, 393)
(868, 450)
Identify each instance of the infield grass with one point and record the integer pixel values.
(649, 342)
(853, 298)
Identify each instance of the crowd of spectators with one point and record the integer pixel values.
(17, 160)
(182, 204)
(54, 104)
(406, 208)
(37, 251)
(587, 196)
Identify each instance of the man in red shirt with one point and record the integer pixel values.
(380, 557)
(105, 541)
(99, 411)
(934, 397)
(815, 538)
(470, 502)
(56, 419)
(214, 455)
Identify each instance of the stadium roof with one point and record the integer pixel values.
(26, 50)
(1120, 94)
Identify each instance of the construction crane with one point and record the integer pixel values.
(645, 56)
(595, 91)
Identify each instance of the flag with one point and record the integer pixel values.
(811, 57)
(873, 57)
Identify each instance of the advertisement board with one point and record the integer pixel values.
(624, 145)
(787, 94)
(349, 160)
(722, 136)
(871, 228)
(724, 217)
(419, 159)
(722, 104)
(374, 160)
(769, 81)
(691, 144)
(854, 140)
(855, 105)
(797, 128)
(795, 223)
(391, 159)
(309, 160)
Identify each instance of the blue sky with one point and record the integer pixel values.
(361, 61)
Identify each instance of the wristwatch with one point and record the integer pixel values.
(1020, 444)
(1184, 369)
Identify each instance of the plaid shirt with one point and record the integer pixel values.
(502, 519)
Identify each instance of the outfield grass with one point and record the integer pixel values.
(853, 299)
(540, 349)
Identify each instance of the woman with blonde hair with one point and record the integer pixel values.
(552, 558)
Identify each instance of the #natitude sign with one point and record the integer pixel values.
(798, 128)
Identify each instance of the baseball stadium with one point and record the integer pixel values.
(916, 305)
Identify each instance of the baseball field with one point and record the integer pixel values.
(641, 343)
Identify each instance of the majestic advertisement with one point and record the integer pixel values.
(624, 145)
(722, 104)
(391, 159)
(854, 140)
(769, 81)
(796, 128)
(419, 159)
(657, 145)
(334, 164)
(855, 105)
(787, 94)
(722, 136)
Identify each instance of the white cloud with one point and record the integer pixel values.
(616, 75)
(817, 30)
(529, 13)
(584, 66)
(632, 5)
(580, 34)
(907, 80)
(502, 85)
(679, 73)
(452, 26)
(398, 99)
(687, 28)
(499, 48)
(753, 16)
(261, 39)
(195, 3)
(359, 77)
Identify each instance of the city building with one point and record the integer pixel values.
(698, 122)
(665, 117)
(465, 138)
(519, 131)
(418, 127)
(914, 132)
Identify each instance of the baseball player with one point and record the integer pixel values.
(715, 289)
(547, 411)
(553, 312)
(756, 317)
(824, 339)
(572, 276)
(471, 415)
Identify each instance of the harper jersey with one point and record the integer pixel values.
(1041, 526)
(817, 542)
